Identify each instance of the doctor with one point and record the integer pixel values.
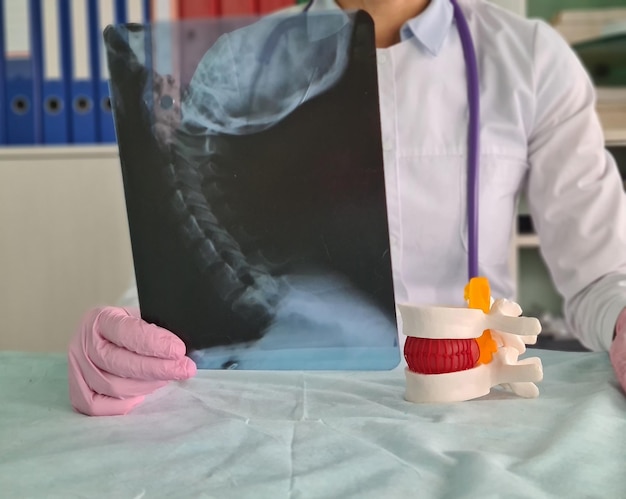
(539, 133)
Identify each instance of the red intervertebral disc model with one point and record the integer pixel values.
(439, 356)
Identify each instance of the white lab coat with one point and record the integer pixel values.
(539, 133)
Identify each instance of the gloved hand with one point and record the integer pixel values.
(618, 349)
(115, 359)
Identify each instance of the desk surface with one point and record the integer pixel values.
(314, 435)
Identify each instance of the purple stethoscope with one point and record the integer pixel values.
(473, 140)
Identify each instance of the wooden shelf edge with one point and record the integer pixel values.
(61, 151)
(527, 241)
(616, 139)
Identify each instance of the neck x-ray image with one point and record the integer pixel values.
(252, 166)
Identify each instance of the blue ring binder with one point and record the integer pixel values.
(3, 92)
(36, 58)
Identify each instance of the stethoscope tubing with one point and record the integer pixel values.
(473, 138)
(473, 135)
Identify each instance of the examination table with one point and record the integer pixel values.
(237, 434)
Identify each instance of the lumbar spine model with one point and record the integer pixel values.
(460, 353)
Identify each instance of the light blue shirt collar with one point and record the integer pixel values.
(430, 28)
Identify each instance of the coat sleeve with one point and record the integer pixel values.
(575, 193)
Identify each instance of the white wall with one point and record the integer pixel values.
(64, 243)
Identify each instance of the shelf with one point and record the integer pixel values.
(56, 152)
(611, 109)
(527, 241)
(613, 121)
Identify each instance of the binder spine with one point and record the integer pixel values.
(94, 55)
(239, 7)
(104, 16)
(83, 85)
(195, 9)
(19, 102)
(3, 72)
(19, 79)
(147, 11)
(54, 96)
(121, 13)
(269, 6)
(36, 60)
(66, 61)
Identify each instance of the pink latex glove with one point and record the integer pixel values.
(618, 349)
(115, 359)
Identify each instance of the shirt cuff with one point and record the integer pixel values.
(616, 312)
(620, 327)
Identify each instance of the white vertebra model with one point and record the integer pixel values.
(457, 354)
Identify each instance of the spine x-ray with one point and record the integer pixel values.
(253, 175)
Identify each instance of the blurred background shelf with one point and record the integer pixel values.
(526, 241)
(613, 119)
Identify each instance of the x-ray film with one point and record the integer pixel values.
(253, 174)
